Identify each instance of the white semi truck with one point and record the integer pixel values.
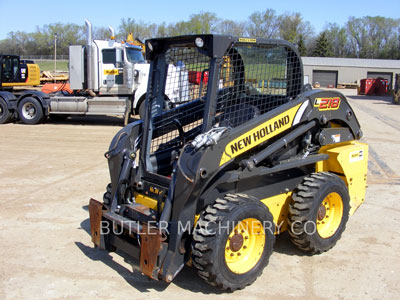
(107, 78)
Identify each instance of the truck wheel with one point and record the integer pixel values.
(5, 114)
(233, 241)
(318, 212)
(142, 110)
(30, 111)
(142, 106)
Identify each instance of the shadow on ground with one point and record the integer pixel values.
(187, 278)
(283, 245)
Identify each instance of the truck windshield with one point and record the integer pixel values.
(134, 55)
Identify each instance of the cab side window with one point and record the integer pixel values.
(110, 57)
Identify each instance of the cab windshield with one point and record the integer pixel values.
(134, 55)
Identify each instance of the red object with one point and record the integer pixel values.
(374, 86)
(382, 86)
(49, 88)
(365, 86)
(195, 77)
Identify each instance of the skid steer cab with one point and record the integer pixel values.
(252, 153)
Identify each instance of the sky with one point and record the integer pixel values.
(27, 15)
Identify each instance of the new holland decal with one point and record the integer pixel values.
(259, 134)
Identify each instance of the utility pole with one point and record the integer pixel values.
(55, 56)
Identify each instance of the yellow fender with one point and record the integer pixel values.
(350, 161)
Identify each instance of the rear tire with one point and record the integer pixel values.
(5, 114)
(318, 212)
(30, 111)
(233, 241)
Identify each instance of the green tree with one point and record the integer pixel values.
(291, 26)
(67, 34)
(366, 37)
(373, 37)
(101, 33)
(204, 22)
(18, 43)
(231, 27)
(323, 47)
(139, 29)
(338, 37)
(41, 42)
(301, 46)
(263, 24)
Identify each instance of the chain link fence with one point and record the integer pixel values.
(45, 57)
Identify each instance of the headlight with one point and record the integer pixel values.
(199, 42)
(150, 46)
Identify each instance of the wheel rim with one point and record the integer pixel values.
(28, 111)
(245, 245)
(329, 215)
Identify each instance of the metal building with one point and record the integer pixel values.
(330, 71)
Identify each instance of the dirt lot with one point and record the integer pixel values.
(48, 173)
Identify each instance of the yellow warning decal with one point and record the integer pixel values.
(324, 104)
(247, 40)
(111, 72)
(259, 134)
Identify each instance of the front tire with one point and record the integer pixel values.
(318, 212)
(107, 202)
(107, 195)
(233, 241)
(30, 111)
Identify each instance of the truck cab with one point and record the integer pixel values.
(106, 76)
(111, 71)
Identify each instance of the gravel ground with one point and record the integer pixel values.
(50, 171)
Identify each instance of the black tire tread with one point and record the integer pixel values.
(203, 245)
(6, 116)
(40, 114)
(107, 195)
(300, 206)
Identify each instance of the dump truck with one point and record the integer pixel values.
(107, 78)
(252, 154)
